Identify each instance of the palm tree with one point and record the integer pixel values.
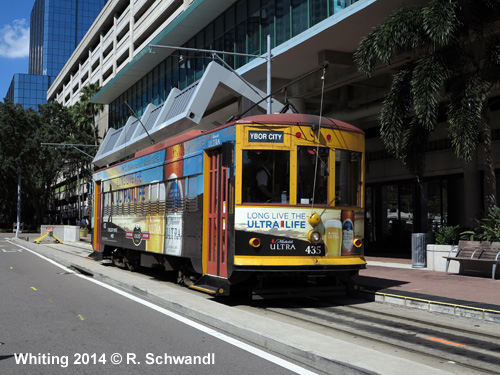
(86, 112)
(85, 115)
(454, 50)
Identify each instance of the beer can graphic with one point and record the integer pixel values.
(347, 232)
(333, 230)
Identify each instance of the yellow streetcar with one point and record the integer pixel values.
(271, 204)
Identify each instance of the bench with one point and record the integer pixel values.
(475, 252)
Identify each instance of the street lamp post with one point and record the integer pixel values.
(18, 201)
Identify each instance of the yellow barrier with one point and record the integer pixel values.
(50, 234)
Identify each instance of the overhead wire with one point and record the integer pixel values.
(318, 136)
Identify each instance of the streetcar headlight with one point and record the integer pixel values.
(254, 242)
(357, 242)
(314, 236)
(314, 219)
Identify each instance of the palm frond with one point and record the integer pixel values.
(395, 110)
(429, 77)
(465, 112)
(365, 57)
(441, 21)
(402, 31)
(492, 53)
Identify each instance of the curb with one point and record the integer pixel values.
(433, 304)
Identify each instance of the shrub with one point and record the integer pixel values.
(447, 235)
(488, 228)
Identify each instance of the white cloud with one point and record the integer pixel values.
(15, 40)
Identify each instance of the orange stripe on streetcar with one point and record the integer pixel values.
(447, 342)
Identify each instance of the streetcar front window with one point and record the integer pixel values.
(266, 176)
(312, 175)
(347, 178)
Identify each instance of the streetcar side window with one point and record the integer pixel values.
(107, 204)
(312, 163)
(193, 192)
(347, 178)
(265, 176)
(175, 194)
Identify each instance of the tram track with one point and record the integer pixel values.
(443, 341)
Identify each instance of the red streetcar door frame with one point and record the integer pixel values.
(96, 238)
(216, 209)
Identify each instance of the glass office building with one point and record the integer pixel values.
(56, 28)
(29, 90)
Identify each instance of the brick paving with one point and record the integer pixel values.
(432, 283)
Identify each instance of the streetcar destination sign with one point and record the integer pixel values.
(265, 136)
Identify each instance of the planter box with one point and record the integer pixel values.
(435, 260)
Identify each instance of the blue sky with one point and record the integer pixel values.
(14, 40)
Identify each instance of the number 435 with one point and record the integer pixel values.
(314, 250)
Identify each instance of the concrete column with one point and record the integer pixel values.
(101, 38)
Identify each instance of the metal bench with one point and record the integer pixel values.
(469, 252)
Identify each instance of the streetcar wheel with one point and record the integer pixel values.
(117, 261)
(183, 276)
(132, 266)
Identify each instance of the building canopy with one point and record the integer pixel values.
(207, 103)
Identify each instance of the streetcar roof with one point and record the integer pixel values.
(299, 119)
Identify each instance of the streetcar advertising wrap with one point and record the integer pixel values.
(283, 231)
(128, 188)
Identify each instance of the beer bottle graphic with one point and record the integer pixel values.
(347, 232)
(333, 235)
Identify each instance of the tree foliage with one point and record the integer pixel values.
(21, 150)
(454, 50)
(23, 132)
(85, 112)
(12, 119)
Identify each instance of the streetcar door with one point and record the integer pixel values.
(96, 238)
(217, 214)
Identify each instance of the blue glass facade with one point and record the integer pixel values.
(56, 28)
(241, 28)
(29, 90)
(63, 24)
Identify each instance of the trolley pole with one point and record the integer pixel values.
(269, 93)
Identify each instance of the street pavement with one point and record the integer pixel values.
(54, 321)
(331, 356)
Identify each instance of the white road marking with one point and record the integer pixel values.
(221, 336)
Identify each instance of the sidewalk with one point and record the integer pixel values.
(399, 283)
(387, 284)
